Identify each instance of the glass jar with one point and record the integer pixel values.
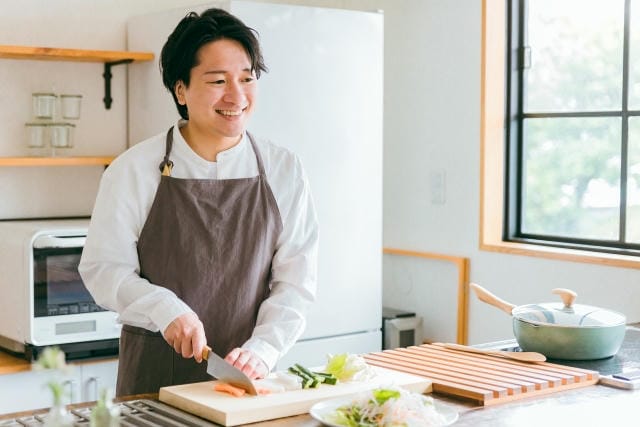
(37, 134)
(44, 105)
(70, 106)
(37, 138)
(61, 136)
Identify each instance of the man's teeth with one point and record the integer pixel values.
(229, 113)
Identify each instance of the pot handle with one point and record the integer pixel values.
(567, 295)
(486, 296)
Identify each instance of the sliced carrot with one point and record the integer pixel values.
(228, 388)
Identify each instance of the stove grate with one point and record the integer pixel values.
(136, 413)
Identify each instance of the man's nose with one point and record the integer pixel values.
(235, 94)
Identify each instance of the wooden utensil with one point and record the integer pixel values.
(522, 356)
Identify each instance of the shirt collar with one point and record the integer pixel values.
(183, 149)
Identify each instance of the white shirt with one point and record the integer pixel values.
(110, 268)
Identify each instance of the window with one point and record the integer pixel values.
(573, 127)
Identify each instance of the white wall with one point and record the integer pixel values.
(432, 124)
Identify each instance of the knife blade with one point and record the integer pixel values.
(222, 370)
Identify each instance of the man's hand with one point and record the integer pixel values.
(186, 335)
(247, 362)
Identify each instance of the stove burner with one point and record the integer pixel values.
(628, 357)
(141, 412)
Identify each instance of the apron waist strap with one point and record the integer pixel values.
(140, 331)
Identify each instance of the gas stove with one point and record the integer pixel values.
(142, 412)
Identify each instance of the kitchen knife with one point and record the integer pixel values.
(222, 370)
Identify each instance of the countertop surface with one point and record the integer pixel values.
(10, 364)
(595, 405)
(585, 407)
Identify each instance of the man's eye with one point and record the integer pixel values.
(216, 82)
(249, 79)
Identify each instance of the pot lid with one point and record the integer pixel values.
(562, 315)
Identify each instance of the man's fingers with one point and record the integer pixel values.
(199, 342)
(250, 364)
(250, 369)
(186, 335)
(186, 349)
(233, 356)
(242, 360)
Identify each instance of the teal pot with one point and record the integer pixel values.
(563, 330)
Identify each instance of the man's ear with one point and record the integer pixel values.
(179, 90)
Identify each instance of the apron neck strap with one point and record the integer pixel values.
(257, 153)
(166, 165)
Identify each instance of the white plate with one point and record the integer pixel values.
(321, 409)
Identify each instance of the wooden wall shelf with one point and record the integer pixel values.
(77, 55)
(56, 161)
(108, 57)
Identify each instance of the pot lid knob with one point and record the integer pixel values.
(567, 295)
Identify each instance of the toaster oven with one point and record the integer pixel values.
(45, 300)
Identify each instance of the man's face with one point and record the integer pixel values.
(221, 94)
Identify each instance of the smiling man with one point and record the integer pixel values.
(204, 234)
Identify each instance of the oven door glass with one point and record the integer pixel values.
(58, 288)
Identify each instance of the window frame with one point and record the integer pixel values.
(515, 95)
(493, 154)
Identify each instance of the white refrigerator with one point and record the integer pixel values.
(322, 98)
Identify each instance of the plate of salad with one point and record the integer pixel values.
(382, 407)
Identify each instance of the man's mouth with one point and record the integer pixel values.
(229, 112)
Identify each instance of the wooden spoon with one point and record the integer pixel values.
(522, 356)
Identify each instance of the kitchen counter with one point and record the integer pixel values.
(590, 406)
(10, 364)
(596, 405)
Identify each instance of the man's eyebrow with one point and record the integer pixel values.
(248, 70)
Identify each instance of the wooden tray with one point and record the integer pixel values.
(485, 379)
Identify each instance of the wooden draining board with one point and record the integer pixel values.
(485, 379)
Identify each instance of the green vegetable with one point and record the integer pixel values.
(345, 366)
(312, 379)
(307, 381)
(304, 370)
(327, 378)
(389, 407)
(382, 395)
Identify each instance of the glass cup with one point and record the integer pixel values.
(37, 138)
(70, 105)
(44, 105)
(61, 136)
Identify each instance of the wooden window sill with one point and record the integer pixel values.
(561, 254)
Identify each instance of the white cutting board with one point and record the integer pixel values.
(200, 399)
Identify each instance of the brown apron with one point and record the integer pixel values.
(211, 242)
